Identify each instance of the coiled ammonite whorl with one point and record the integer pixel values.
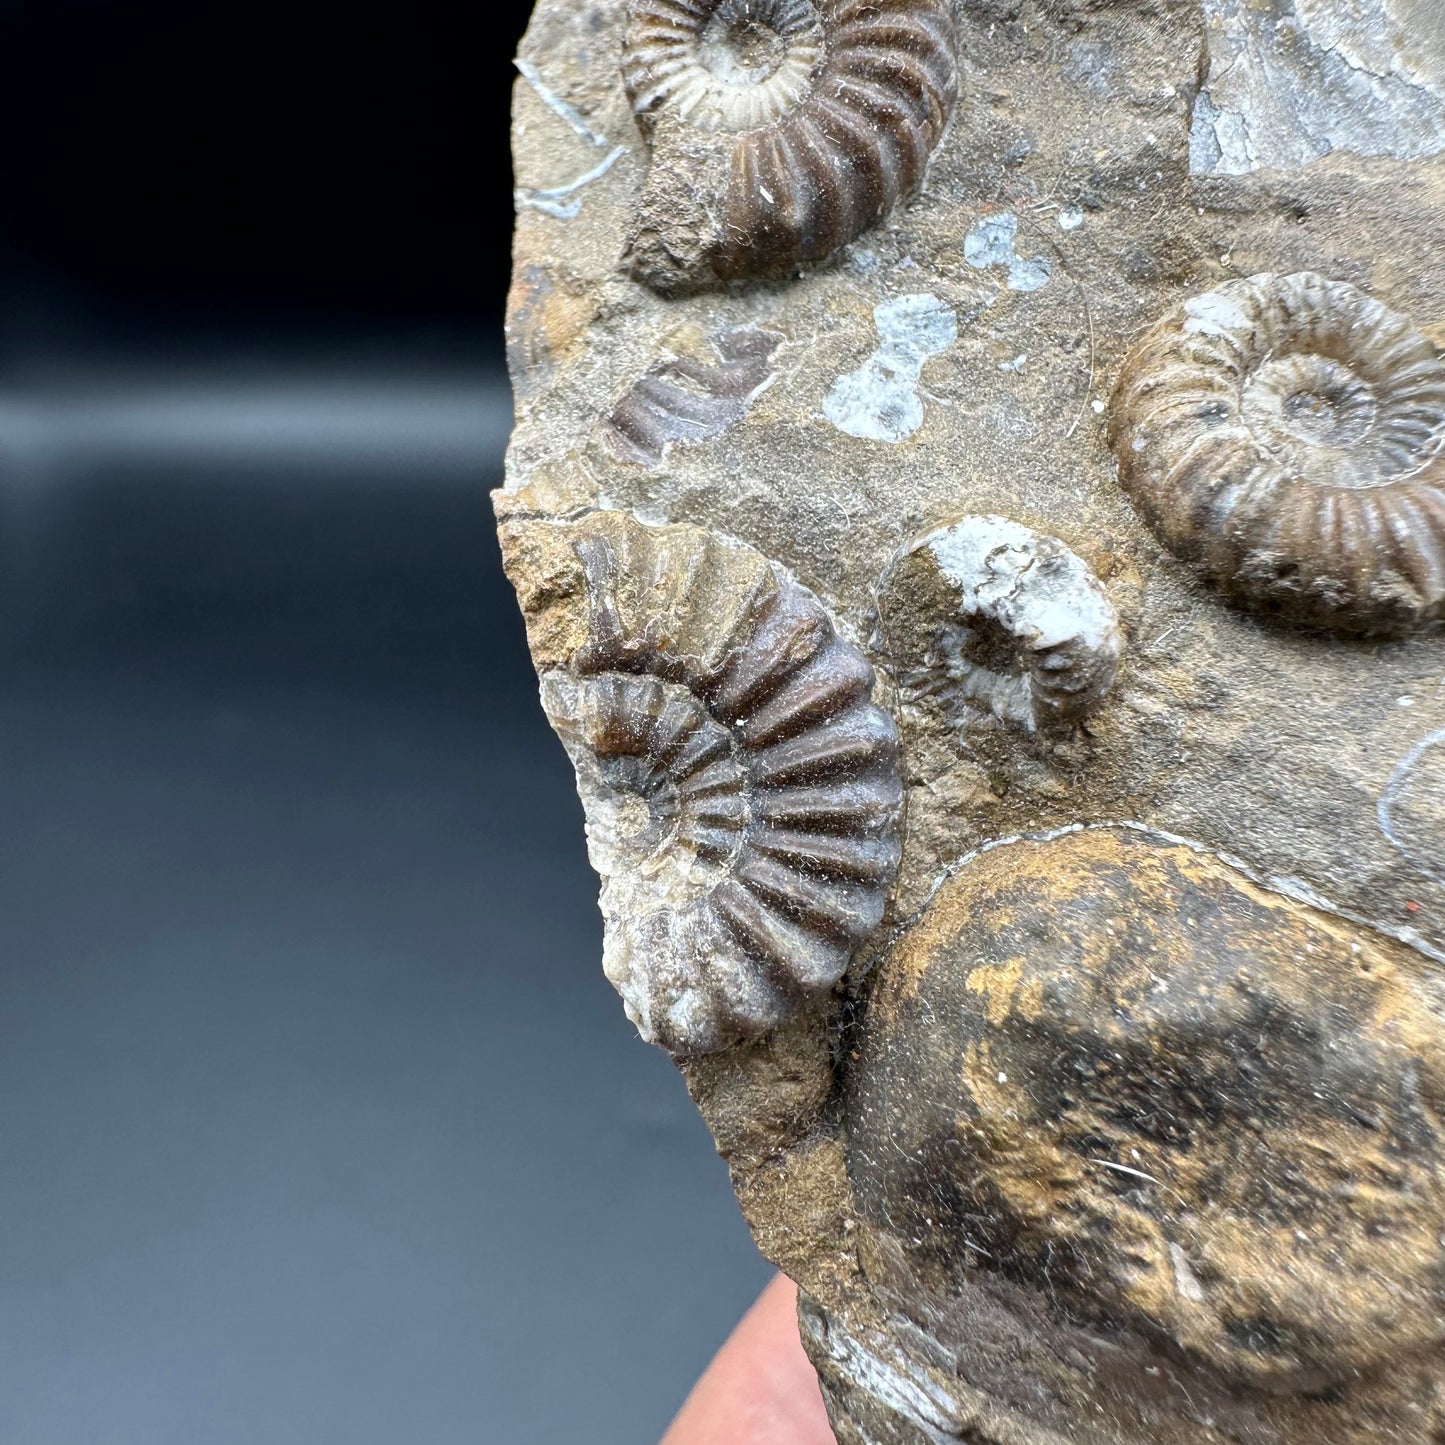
(1000, 622)
(1287, 434)
(779, 129)
(742, 790)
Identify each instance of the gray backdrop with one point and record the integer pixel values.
(320, 1122)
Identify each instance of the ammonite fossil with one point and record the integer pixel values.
(779, 129)
(686, 400)
(1287, 434)
(1000, 622)
(742, 790)
(1168, 1097)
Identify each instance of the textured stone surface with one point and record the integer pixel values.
(977, 1260)
(1289, 81)
(1107, 1068)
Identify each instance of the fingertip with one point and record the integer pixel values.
(760, 1388)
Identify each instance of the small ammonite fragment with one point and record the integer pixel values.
(742, 789)
(1110, 1069)
(1287, 434)
(779, 129)
(999, 622)
(684, 400)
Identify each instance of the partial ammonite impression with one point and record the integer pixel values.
(1000, 622)
(1287, 433)
(684, 400)
(779, 129)
(742, 790)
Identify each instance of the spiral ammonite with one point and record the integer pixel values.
(742, 790)
(1000, 622)
(1287, 434)
(780, 129)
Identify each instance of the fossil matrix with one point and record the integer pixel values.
(978, 505)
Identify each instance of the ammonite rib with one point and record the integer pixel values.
(1287, 434)
(1000, 622)
(779, 129)
(742, 789)
(685, 400)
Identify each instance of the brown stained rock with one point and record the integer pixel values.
(546, 313)
(1109, 1069)
(1285, 434)
(778, 131)
(916, 552)
(686, 400)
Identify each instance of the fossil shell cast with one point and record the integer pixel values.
(780, 129)
(1000, 621)
(1110, 1067)
(1287, 433)
(684, 400)
(742, 790)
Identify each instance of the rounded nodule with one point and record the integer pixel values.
(1108, 1067)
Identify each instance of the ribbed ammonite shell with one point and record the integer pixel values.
(780, 129)
(1000, 622)
(1287, 434)
(742, 790)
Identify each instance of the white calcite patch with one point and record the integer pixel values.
(880, 400)
(1214, 314)
(1289, 81)
(991, 242)
(1412, 807)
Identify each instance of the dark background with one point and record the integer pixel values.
(318, 1122)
